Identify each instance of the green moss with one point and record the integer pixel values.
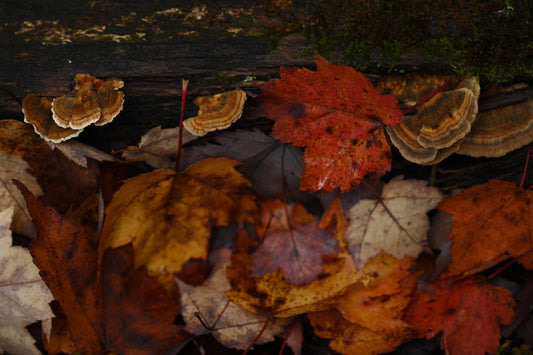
(490, 38)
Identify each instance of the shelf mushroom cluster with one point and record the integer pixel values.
(449, 122)
(63, 118)
(216, 112)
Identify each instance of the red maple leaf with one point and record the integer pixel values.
(468, 312)
(338, 116)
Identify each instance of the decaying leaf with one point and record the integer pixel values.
(168, 216)
(24, 297)
(14, 167)
(272, 168)
(395, 223)
(271, 293)
(382, 301)
(125, 310)
(79, 152)
(63, 182)
(468, 312)
(158, 147)
(338, 116)
(354, 339)
(490, 222)
(292, 242)
(229, 323)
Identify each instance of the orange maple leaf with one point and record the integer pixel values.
(339, 116)
(124, 311)
(468, 312)
(490, 222)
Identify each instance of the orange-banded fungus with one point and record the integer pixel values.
(37, 112)
(216, 112)
(500, 131)
(441, 123)
(96, 101)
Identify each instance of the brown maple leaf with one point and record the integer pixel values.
(468, 312)
(490, 222)
(168, 216)
(124, 311)
(338, 116)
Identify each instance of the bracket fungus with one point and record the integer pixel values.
(441, 123)
(96, 101)
(38, 112)
(500, 131)
(216, 112)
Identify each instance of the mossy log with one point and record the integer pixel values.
(216, 45)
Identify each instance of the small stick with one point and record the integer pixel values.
(180, 139)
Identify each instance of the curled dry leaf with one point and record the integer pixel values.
(396, 223)
(79, 152)
(490, 222)
(216, 112)
(158, 147)
(468, 312)
(338, 116)
(24, 297)
(168, 216)
(229, 323)
(14, 167)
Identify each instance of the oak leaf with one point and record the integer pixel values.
(124, 311)
(292, 242)
(168, 216)
(468, 312)
(339, 117)
(354, 339)
(396, 222)
(490, 222)
(24, 297)
(229, 323)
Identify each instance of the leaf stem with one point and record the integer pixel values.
(525, 167)
(180, 136)
(428, 97)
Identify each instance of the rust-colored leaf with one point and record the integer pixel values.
(382, 301)
(490, 222)
(338, 116)
(123, 311)
(468, 312)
